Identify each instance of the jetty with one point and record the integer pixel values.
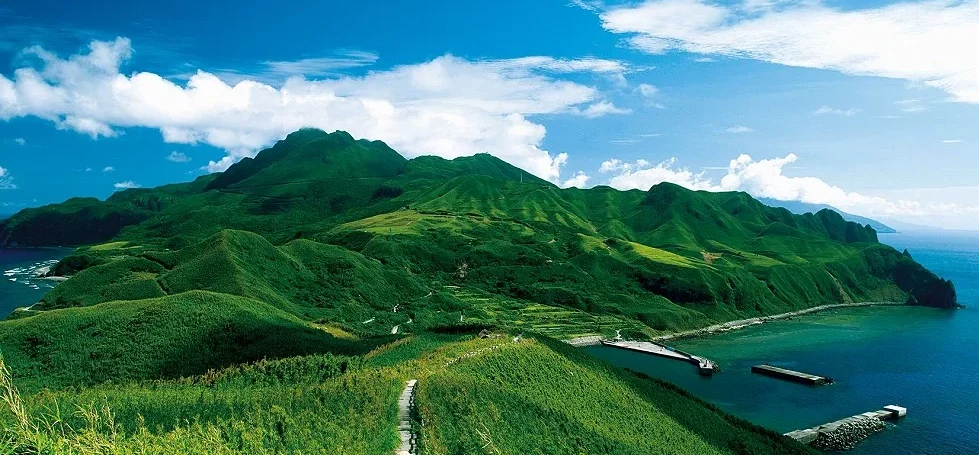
(790, 375)
(844, 434)
(704, 366)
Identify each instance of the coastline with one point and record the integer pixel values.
(735, 325)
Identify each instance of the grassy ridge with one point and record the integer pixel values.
(166, 337)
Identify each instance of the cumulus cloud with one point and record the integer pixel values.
(642, 174)
(20, 141)
(108, 169)
(766, 178)
(126, 185)
(448, 106)
(6, 181)
(178, 157)
(602, 108)
(827, 110)
(579, 180)
(739, 129)
(933, 42)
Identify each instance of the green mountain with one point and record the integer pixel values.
(348, 269)
(804, 207)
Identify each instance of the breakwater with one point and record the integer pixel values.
(790, 375)
(846, 433)
(742, 323)
(704, 366)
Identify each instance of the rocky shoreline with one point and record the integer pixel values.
(593, 340)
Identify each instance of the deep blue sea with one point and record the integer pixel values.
(924, 359)
(19, 285)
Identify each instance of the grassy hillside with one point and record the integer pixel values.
(475, 396)
(174, 336)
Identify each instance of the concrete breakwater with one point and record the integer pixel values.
(704, 366)
(594, 340)
(844, 434)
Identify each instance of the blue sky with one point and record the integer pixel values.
(867, 106)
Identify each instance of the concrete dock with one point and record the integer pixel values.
(704, 366)
(790, 375)
(843, 434)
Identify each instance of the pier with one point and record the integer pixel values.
(704, 366)
(790, 375)
(844, 434)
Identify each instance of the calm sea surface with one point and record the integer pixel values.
(924, 359)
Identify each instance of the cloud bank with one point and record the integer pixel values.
(448, 106)
(933, 42)
(766, 178)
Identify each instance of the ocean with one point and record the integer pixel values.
(19, 285)
(924, 359)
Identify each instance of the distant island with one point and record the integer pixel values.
(305, 285)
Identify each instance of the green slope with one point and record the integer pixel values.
(167, 337)
(474, 396)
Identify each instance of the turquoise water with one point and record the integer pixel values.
(18, 284)
(924, 359)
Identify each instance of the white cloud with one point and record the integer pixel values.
(586, 5)
(108, 169)
(642, 175)
(911, 106)
(579, 180)
(935, 42)
(126, 185)
(827, 110)
(20, 141)
(448, 107)
(739, 129)
(650, 93)
(6, 182)
(603, 108)
(648, 90)
(765, 178)
(952, 141)
(178, 157)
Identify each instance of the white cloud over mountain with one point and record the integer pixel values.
(448, 107)
(766, 178)
(126, 185)
(933, 42)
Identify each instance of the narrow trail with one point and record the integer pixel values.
(406, 408)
